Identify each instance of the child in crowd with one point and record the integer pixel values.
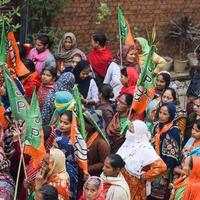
(48, 75)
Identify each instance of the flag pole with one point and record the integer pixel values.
(22, 161)
(120, 40)
(18, 173)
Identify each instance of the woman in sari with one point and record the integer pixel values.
(116, 129)
(64, 83)
(113, 73)
(63, 140)
(142, 162)
(93, 189)
(54, 174)
(167, 145)
(68, 48)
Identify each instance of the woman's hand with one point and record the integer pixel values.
(40, 179)
(28, 185)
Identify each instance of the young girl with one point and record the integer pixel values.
(129, 77)
(93, 189)
(48, 79)
(105, 93)
(86, 84)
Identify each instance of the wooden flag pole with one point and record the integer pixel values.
(20, 162)
(18, 173)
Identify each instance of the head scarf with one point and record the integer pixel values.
(136, 151)
(96, 119)
(125, 51)
(152, 106)
(145, 46)
(67, 55)
(166, 76)
(83, 85)
(132, 82)
(164, 127)
(171, 109)
(97, 182)
(193, 186)
(64, 83)
(64, 100)
(58, 169)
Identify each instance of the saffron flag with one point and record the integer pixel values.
(125, 33)
(3, 57)
(17, 101)
(144, 92)
(14, 59)
(34, 137)
(79, 111)
(80, 146)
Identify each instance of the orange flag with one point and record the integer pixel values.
(14, 60)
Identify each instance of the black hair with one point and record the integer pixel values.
(191, 163)
(52, 70)
(166, 77)
(49, 192)
(100, 37)
(47, 131)
(116, 161)
(29, 65)
(45, 40)
(173, 92)
(107, 91)
(22, 51)
(124, 72)
(197, 122)
(83, 64)
(68, 113)
(128, 99)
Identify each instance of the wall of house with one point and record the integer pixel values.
(79, 16)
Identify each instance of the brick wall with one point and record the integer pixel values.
(79, 16)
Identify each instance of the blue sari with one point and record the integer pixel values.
(65, 145)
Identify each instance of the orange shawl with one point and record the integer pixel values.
(156, 138)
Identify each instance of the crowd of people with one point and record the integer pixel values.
(130, 156)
